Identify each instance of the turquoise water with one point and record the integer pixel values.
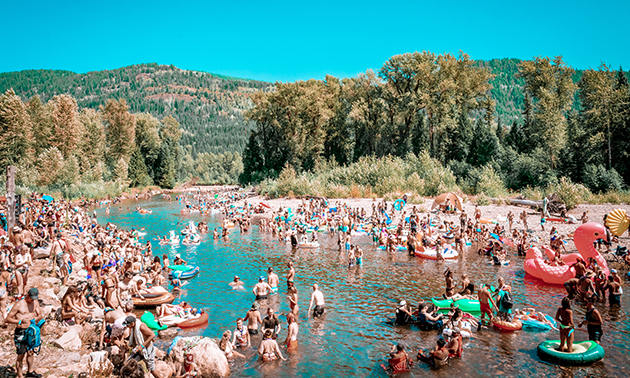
(354, 335)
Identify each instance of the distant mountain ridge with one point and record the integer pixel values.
(208, 106)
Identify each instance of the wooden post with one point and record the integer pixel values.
(10, 199)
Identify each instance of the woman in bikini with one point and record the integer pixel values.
(564, 317)
(269, 349)
(70, 307)
(227, 347)
(109, 283)
(293, 301)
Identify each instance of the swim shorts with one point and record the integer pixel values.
(318, 311)
(252, 331)
(274, 290)
(259, 297)
(594, 332)
(19, 337)
(485, 308)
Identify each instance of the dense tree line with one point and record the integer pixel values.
(571, 125)
(209, 107)
(57, 146)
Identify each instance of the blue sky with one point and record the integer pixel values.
(299, 40)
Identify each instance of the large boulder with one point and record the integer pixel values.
(71, 340)
(41, 253)
(208, 357)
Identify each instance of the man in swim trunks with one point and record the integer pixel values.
(318, 298)
(593, 320)
(571, 286)
(614, 289)
(291, 340)
(291, 275)
(21, 314)
(272, 280)
(253, 315)
(261, 289)
(485, 299)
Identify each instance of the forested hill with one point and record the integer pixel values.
(209, 107)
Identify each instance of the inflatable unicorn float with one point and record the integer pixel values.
(584, 237)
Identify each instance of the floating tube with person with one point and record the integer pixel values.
(186, 271)
(430, 253)
(197, 320)
(584, 353)
(466, 305)
(152, 300)
(584, 237)
(507, 326)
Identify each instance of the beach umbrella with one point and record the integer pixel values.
(48, 198)
(452, 197)
(618, 221)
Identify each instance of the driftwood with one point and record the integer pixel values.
(554, 203)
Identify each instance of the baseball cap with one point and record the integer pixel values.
(402, 303)
(613, 271)
(129, 320)
(33, 293)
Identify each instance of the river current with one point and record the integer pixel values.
(354, 336)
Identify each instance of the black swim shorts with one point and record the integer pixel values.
(318, 311)
(19, 337)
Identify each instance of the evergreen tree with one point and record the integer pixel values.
(138, 174)
(484, 145)
(165, 175)
(253, 164)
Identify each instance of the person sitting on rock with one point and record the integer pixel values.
(188, 369)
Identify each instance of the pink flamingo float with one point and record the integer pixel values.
(584, 237)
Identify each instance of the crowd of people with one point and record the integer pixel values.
(120, 269)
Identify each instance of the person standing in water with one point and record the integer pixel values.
(262, 288)
(593, 320)
(269, 349)
(272, 280)
(485, 300)
(291, 340)
(291, 275)
(564, 317)
(318, 298)
(253, 315)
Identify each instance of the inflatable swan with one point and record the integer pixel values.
(584, 237)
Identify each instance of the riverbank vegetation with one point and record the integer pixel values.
(58, 147)
(426, 123)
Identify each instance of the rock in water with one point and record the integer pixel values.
(208, 357)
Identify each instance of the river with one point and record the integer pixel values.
(354, 336)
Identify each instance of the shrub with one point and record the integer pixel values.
(570, 193)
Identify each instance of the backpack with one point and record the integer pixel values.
(506, 301)
(33, 337)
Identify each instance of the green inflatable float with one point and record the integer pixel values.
(148, 319)
(466, 305)
(584, 352)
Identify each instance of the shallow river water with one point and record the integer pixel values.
(354, 335)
